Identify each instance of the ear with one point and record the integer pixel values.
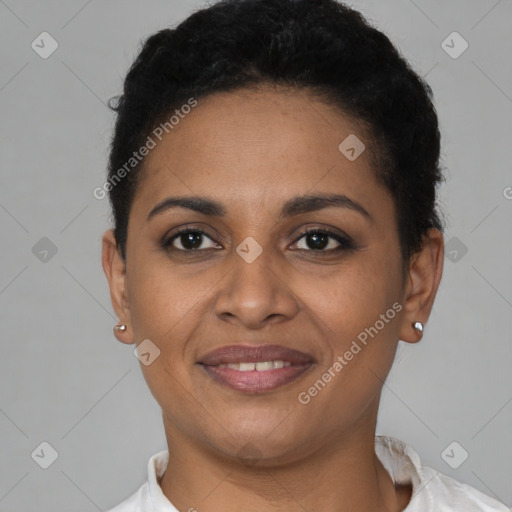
(422, 282)
(115, 270)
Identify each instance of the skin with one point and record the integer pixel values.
(252, 150)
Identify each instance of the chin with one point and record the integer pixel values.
(259, 444)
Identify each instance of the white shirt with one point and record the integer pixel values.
(432, 490)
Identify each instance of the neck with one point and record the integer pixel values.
(343, 474)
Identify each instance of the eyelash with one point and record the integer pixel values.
(346, 244)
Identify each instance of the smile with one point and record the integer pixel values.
(255, 368)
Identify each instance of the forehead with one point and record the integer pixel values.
(261, 145)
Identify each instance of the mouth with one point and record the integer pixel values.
(255, 369)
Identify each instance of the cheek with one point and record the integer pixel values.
(357, 309)
(167, 306)
(351, 297)
(358, 335)
(165, 309)
(161, 297)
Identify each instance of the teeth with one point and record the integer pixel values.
(260, 366)
(266, 365)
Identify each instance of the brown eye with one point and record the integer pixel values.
(320, 240)
(188, 240)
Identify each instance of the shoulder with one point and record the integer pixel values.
(448, 494)
(149, 496)
(133, 503)
(431, 489)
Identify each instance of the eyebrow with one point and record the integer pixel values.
(294, 206)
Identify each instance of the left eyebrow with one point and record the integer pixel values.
(294, 206)
(310, 203)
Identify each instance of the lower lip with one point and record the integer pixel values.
(255, 381)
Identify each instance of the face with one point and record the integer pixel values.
(264, 264)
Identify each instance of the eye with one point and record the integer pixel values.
(189, 240)
(324, 241)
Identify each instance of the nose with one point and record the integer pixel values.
(257, 293)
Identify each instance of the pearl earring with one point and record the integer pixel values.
(418, 326)
(120, 328)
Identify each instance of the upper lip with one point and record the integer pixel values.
(254, 354)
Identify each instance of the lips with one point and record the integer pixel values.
(254, 354)
(272, 366)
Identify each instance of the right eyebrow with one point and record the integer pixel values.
(199, 204)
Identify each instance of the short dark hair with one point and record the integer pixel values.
(321, 46)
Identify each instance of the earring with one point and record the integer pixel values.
(120, 328)
(418, 326)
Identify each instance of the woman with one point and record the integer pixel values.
(273, 179)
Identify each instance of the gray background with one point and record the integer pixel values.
(67, 381)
